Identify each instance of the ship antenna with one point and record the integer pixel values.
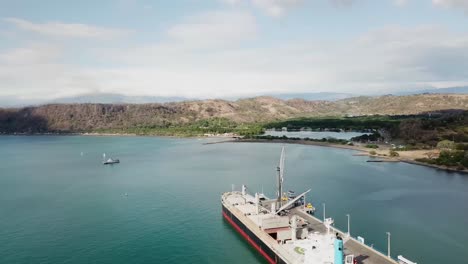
(283, 157)
(280, 170)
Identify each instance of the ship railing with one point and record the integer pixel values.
(403, 260)
(345, 236)
(370, 247)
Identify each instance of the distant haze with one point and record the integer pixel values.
(110, 98)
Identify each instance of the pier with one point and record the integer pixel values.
(362, 253)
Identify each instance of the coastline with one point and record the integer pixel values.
(70, 134)
(362, 152)
(438, 167)
(234, 139)
(95, 134)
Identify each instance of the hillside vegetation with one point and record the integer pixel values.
(242, 116)
(425, 130)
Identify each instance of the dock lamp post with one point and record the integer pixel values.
(349, 229)
(323, 212)
(388, 243)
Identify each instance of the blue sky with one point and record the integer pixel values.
(228, 48)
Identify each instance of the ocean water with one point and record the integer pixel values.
(161, 204)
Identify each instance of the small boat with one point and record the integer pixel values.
(109, 161)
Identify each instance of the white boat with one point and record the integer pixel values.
(109, 161)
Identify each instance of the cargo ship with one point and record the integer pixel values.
(283, 229)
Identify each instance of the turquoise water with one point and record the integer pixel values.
(314, 134)
(58, 206)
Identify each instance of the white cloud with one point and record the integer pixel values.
(208, 56)
(59, 29)
(388, 59)
(34, 54)
(343, 3)
(457, 4)
(215, 28)
(232, 2)
(276, 8)
(401, 3)
(37, 71)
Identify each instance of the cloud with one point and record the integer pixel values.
(343, 3)
(232, 2)
(209, 55)
(34, 54)
(214, 28)
(385, 60)
(279, 8)
(38, 71)
(418, 54)
(456, 4)
(401, 3)
(59, 29)
(276, 8)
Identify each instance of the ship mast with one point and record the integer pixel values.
(280, 171)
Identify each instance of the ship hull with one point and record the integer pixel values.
(251, 238)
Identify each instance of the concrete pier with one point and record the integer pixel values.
(362, 253)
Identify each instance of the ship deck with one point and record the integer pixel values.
(363, 253)
(243, 207)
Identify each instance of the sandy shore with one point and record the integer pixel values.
(382, 153)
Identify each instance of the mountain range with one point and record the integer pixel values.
(91, 117)
(115, 98)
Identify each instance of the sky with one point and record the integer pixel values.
(228, 48)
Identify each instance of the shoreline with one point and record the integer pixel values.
(93, 134)
(232, 139)
(362, 152)
(438, 167)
